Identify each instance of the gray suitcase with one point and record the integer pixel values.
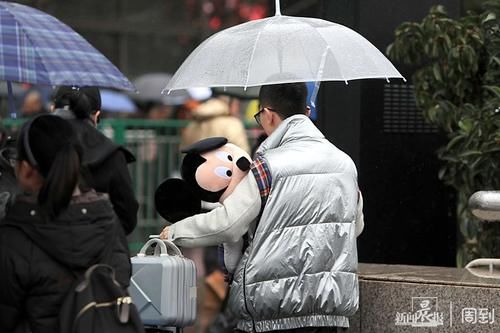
(163, 285)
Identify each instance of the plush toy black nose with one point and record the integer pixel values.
(243, 164)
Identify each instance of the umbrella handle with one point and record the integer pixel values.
(278, 8)
(12, 107)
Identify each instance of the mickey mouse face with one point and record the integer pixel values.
(240, 162)
(215, 174)
(211, 170)
(222, 170)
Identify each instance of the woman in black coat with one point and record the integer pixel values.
(54, 232)
(105, 161)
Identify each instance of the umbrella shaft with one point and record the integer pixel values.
(12, 107)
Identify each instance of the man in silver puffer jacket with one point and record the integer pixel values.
(298, 273)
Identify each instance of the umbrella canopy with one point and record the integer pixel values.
(238, 92)
(113, 101)
(282, 49)
(150, 86)
(37, 48)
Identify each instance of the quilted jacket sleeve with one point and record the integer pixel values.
(227, 223)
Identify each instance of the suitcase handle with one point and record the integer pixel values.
(172, 246)
(158, 242)
(162, 245)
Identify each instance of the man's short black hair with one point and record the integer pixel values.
(287, 99)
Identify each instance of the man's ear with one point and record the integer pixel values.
(175, 200)
(276, 119)
(27, 171)
(97, 117)
(28, 177)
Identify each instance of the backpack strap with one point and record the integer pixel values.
(88, 275)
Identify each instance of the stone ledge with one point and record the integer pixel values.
(432, 299)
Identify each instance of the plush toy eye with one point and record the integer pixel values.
(223, 156)
(223, 172)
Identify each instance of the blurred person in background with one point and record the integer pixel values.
(33, 104)
(193, 98)
(105, 161)
(213, 118)
(160, 111)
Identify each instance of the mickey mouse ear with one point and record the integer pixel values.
(205, 145)
(174, 200)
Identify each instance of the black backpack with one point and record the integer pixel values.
(97, 303)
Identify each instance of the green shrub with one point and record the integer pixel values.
(456, 85)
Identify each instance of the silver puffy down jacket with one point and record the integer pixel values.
(300, 267)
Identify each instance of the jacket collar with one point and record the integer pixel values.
(67, 114)
(292, 128)
(64, 113)
(96, 146)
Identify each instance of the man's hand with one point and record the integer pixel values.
(164, 233)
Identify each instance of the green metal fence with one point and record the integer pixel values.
(156, 146)
(155, 143)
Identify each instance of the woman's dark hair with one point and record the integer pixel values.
(49, 144)
(74, 99)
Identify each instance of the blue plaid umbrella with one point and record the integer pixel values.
(37, 48)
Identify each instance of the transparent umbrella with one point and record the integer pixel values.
(281, 49)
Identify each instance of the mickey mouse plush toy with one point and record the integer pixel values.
(210, 172)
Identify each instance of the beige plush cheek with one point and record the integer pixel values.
(238, 175)
(208, 180)
(237, 152)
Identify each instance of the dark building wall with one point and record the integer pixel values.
(407, 209)
(137, 36)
